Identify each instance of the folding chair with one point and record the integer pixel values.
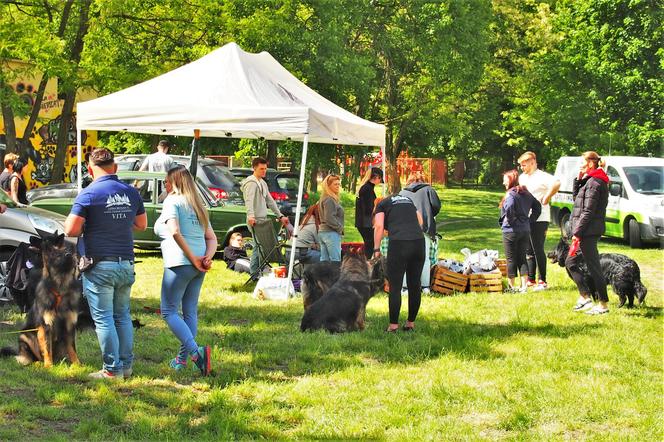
(267, 244)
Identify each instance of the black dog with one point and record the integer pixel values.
(620, 271)
(342, 308)
(317, 280)
(50, 326)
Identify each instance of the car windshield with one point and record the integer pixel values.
(288, 182)
(220, 176)
(648, 180)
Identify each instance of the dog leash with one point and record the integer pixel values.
(19, 331)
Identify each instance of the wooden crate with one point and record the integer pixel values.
(502, 266)
(487, 282)
(448, 282)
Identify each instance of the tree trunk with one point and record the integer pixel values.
(10, 128)
(459, 170)
(313, 180)
(272, 153)
(70, 97)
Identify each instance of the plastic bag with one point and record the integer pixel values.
(275, 289)
(479, 262)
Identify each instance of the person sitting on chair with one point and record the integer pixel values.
(235, 255)
(308, 243)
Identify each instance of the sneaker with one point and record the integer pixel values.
(522, 289)
(531, 283)
(426, 291)
(583, 304)
(404, 292)
(541, 286)
(127, 372)
(597, 310)
(202, 359)
(103, 374)
(178, 364)
(511, 290)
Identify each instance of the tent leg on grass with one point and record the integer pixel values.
(300, 191)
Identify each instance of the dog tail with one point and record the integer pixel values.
(641, 291)
(7, 351)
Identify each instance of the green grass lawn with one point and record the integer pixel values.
(478, 366)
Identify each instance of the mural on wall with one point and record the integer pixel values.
(43, 139)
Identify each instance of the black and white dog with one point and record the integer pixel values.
(620, 271)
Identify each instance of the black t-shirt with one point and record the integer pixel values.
(400, 218)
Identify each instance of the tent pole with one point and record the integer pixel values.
(193, 157)
(382, 154)
(300, 188)
(79, 168)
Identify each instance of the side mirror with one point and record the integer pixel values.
(615, 189)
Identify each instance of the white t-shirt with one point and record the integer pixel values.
(539, 184)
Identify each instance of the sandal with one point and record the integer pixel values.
(408, 328)
(391, 330)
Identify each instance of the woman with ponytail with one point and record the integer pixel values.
(518, 210)
(591, 195)
(188, 245)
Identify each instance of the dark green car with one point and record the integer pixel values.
(225, 219)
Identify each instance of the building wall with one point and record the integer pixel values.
(43, 139)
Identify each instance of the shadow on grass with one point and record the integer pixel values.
(271, 340)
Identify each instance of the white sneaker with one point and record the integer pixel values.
(597, 310)
(426, 291)
(583, 304)
(404, 292)
(540, 286)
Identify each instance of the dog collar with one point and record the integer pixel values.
(58, 298)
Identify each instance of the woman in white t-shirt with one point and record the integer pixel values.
(188, 245)
(542, 186)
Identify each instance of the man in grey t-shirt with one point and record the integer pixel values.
(159, 161)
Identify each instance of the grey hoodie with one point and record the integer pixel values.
(257, 198)
(427, 202)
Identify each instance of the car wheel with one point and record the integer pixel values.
(566, 226)
(634, 234)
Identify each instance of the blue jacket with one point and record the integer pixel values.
(519, 210)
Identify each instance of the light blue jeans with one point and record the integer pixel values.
(108, 286)
(425, 278)
(180, 288)
(330, 246)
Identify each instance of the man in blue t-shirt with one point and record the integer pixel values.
(105, 213)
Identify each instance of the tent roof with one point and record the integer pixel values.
(229, 93)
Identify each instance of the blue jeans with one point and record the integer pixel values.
(107, 286)
(330, 246)
(180, 287)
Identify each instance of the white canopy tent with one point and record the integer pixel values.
(230, 93)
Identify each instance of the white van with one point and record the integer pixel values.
(636, 198)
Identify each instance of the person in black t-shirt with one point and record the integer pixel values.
(364, 207)
(405, 254)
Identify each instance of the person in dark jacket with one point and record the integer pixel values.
(427, 203)
(591, 195)
(518, 209)
(235, 255)
(364, 207)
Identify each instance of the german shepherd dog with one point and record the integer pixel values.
(317, 280)
(342, 307)
(50, 326)
(620, 271)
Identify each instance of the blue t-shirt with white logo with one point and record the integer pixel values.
(109, 207)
